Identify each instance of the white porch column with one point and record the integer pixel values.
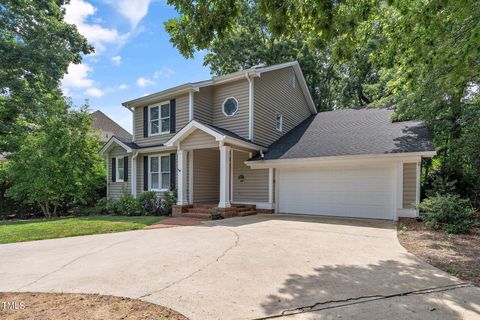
(270, 187)
(224, 177)
(182, 177)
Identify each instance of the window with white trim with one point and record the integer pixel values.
(120, 174)
(292, 79)
(159, 173)
(279, 125)
(230, 106)
(159, 118)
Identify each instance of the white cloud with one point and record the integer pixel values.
(123, 87)
(77, 76)
(144, 82)
(117, 60)
(164, 72)
(78, 12)
(133, 10)
(94, 92)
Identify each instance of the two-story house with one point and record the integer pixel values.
(253, 140)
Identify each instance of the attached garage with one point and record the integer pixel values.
(348, 163)
(346, 192)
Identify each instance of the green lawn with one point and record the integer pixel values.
(27, 230)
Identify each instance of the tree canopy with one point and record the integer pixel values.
(36, 48)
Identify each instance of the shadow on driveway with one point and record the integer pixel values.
(376, 290)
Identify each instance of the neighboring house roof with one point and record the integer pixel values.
(350, 132)
(242, 74)
(108, 128)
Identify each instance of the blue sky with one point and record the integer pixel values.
(133, 55)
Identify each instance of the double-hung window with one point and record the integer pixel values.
(159, 118)
(279, 124)
(160, 173)
(120, 170)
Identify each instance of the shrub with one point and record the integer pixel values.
(106, 206)
(449, 212)
(169, 199)
(150, 203)
(128, 205)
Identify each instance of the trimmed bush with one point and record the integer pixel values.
(449, 212)
(151, 204)
(169, 199)
(128, 205)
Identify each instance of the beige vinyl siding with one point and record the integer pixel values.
(117, 189)
(182, 110)
(206, 175)
(273, 93)
(409, 185)
(237, 123)
(140, 160)
(197, 139)
(255, 186)
(203, 104)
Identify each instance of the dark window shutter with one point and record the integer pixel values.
(173, 170)
(114, 169)
(145, 122)
(145, 173)
(125, 168)
(173, 115)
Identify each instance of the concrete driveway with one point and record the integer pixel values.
(249, 268)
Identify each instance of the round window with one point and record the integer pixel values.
(230, 106)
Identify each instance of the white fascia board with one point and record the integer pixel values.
(370, 158)
(241, 143)
(114, 140)
(156, 149)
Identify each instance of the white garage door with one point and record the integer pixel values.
(353, 192)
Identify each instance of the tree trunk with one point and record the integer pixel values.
(45, 210)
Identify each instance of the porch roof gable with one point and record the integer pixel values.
(219, 134)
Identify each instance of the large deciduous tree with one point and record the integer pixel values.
(36, 48)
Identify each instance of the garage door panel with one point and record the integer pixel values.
(365, 193)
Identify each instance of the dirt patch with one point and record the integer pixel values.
(458, 255)
(60, 306)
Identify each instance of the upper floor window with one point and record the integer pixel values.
(279, 122)
(230, 106)
(159, 118)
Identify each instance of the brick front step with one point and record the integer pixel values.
(207, 210)
(197, 215)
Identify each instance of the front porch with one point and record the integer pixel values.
(213, 178)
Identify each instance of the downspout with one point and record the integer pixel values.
(190, 105)
(133, 121)
(250, 106)
(134, 174)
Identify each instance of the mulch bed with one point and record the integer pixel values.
(457, 254)
(61, 306)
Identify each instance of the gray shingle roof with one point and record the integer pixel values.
(229, 133)
(107, 128)
(351, 132)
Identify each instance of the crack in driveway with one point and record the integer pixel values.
(362, 299)
(73, 261)
(221, 256)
